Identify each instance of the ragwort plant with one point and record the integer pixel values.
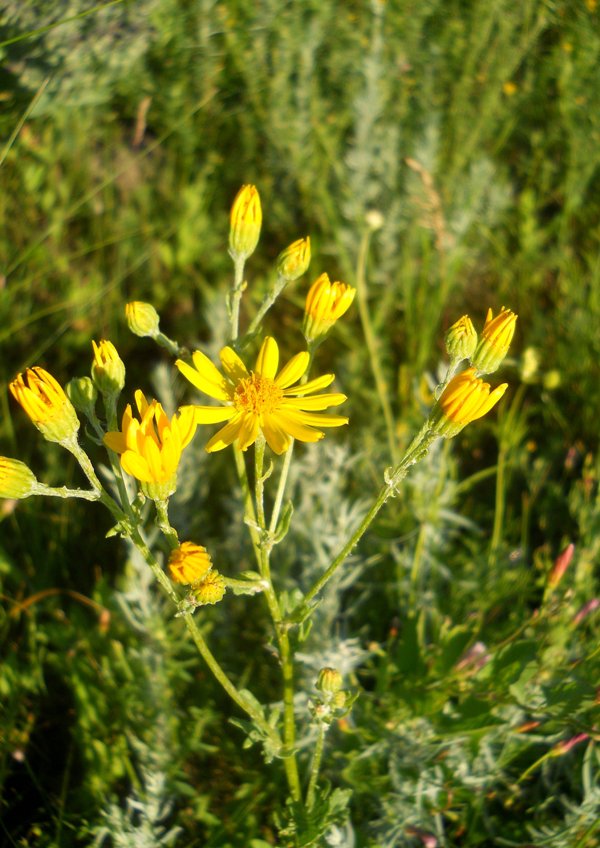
(263, 410)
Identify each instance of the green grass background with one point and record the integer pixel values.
(473, 128)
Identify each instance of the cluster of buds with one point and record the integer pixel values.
(487, 352)
(333, 700)
(191, 565)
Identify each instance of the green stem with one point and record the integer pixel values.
(267, 303)
(285, 470)
(63, 492)
(414, 452)
(499, 506)
(86, 466)
(315, 767)
(110, 406)
(372, 346)
(170, 345)
(236, 296)
(162, 512)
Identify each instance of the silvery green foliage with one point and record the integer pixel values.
(84, 59)
(141, 822)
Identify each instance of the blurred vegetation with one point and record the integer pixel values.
(473, 128)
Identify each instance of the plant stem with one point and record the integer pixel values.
(162, 512)
(372, 346)
(285, 470)
(315, 767)
(267, 303)
(414, 452)
(236, 296)
(64, 492)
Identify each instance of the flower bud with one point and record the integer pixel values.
(325, 303)
(561, 563)
(17, 480)
(210, 590)
(142, 319)
(46, 404)
(245, 222)
(82, 393)
(461, 340)
(189, 563)
(495, 340)
(293, 262)
(108, 369)
(329, 681)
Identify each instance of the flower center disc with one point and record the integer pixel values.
(257, 394)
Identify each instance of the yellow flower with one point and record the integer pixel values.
(210, 590)
(142, 318)
(150, 448)
(17, 480)
(262, 400)
(496, 337)
(465, 398)
(46, 404)
(108, 369)
(294, 260)
(461, 339)
(325, 303)
(245, 222)
(189, 563)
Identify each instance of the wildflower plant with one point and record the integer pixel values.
(262, 408)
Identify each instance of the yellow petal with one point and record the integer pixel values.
(225, 436)
(312, 386)
(248, 431)
(267, 361)
(294, 369)
(132, 463)
(186, 424)
(116, 442)
(213, 414)
(205, 376)
(277, 439)
(295, 428)
(315, 402)
(152, 456)
(315, 419)
(233, 365)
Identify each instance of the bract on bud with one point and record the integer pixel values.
(245, 222)
(461, 340)
(108, 369)
(142, 319)
(293, 262)
(17, 480)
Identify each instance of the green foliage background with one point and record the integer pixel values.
(474, 129)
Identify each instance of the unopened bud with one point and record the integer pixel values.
(461, 340)
(294, 260)
(245, 222)
(108, 369)
(210, 590)
(329, 681)
(142, 319)
(17, 480)
(82, 393)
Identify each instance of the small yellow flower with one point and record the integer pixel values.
(189, 563)
(46, 404)
(294, 260)
(465, 398)
(461, 339)
(108, 369)
(262, 400)
(142, 319)
(150, 448)
(325, 303)
(495, 340)
(17, 480)
(210, 590)
(245, 222)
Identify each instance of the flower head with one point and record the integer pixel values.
(46, 404)
(83, 394)
(142, 318)
(245, 222)
(461, 339)
(108, 369)
(150, 448)
(294, 260)
(189, 563)
(495, 340)
(465, 398)
(325, 303)
(17, 480)
(210, 590)
(262, 400)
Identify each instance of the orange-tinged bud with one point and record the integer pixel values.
(495, 340)
(108, 369)
(45, 402)
(325, 303)
(189, 563)
(461, 340)
(293, 262)
(466, 398)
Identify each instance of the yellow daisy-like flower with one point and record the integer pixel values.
(150, 448)
(189, 563)
(45, 402)
(262, 400)
(466, 398)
